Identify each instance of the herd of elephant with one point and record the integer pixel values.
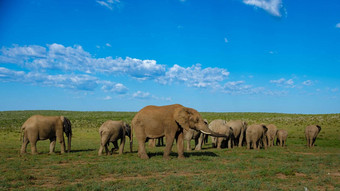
(174, 122)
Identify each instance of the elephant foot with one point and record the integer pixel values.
(181, 157)
(143, 156)
(167, 157)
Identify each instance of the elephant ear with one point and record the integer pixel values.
(181, 116)
(67, 127)
(127, 128)
(265, 129)
(319, 127)
(206, 121)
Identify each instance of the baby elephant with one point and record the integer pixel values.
(281, 137)
(111, 131)
(311, 133)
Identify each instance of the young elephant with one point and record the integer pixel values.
(111, 131)
(271, 133)
(256, 135)
(40, 127)
(239, 127)
(311, 133)
(220, 126)
(281, 137)
(198, 136)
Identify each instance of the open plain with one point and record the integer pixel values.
(294, 167)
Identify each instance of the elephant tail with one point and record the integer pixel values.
(21, 133)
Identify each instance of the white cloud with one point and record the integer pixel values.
(59, 57)
(142, 95)
(107, 98)
(110, 4)
(113, 87)
(335, 90)
(67, 81)
(283, 82)
(271, 6)
(337, 25)
(108, 45)
(195, 76)
(307, 83)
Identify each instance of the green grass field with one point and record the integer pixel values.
(294, 167)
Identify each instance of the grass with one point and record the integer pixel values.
(291, 168)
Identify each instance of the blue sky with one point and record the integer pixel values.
(218, 56)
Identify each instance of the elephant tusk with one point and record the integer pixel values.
(206, 132)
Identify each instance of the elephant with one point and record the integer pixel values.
(39, 127)
(281, 137)
(221, 126)
(239, 127)
(256, 136)
(170, 120)
(271, 133)
(112, 131)
(311, 133)
(196, 135)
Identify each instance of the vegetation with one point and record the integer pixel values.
(294, 167)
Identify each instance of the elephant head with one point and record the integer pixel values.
(67, 128)
(127, 129)
(189, 118)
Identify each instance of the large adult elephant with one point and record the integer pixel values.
(220, 126)
(158, 121)
(239, 127)
(311, 133)
(40, 127)
(271, 133)
(112, 131)
(256, 136)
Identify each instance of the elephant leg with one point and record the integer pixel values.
(169, 141)
(180, 145)
(254, 144)
(240, 139)
(24, 145)
(115, 145)
(52, 145)
(214, 142)
(219, 142)
(141, 148)
(122, 143)
(200, 142)
(248, 144)
(230, 143)
(104, 141)
(60, 137)
(313, 142)
(188, 145)
(34, 147)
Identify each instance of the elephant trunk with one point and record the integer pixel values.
(131, 142)
(204, 129)
(69, 143)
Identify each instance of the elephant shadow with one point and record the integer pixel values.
(186, 154)
(82, 150)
